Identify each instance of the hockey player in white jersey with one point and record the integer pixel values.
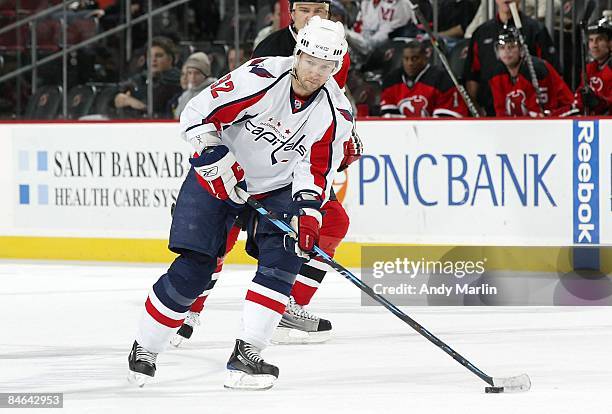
(275, 126)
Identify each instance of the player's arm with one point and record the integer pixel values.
(312, 182)
(448, 102)
(472, 68)
(202, 124)
(561, 98)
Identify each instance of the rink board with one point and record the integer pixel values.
(102, 191)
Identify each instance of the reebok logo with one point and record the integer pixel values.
(586, 182)
(207, 172)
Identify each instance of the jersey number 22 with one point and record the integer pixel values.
(222, 85)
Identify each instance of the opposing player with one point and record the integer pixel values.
(512, 88)
(249, 131)
(297, 325)
(420, 90)
(597, 95)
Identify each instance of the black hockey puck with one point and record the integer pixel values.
(494, 390)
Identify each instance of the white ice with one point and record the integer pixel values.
(69, 327)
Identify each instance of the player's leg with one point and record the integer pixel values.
(193, 316)
(298, 325)
(198, 234)
(265, 300)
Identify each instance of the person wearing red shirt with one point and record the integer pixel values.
(597, 96)
(481, 57)
(511, 84)
(418, 89)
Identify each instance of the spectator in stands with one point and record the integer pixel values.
(597, 95)
(420, 90)
(273, 26)
(132, 101)
(376, 22)
(231, 57)
(481, 57)
(511, 85)
(197, 77)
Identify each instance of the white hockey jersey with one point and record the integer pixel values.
(378, 18)
(276, 140)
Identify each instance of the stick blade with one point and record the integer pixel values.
(520, 383)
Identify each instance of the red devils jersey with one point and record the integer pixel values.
(517, 96)
(481, 57)
(600, 80)
(431, 93)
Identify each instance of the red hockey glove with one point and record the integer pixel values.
(221, 172)
(353, 149)
(306, 222)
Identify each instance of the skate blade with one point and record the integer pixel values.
(238, 380)
(289, 336)
(138, 379)
(176, 341)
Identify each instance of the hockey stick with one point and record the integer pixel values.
(510, 384)
(534, 78)
(588, 10)
(436, 45)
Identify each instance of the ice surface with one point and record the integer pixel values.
(69, 327)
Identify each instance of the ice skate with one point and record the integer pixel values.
(186, 330)
(246, 370)
(142, 365)
(298, 326)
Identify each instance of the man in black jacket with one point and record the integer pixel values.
(282, 42)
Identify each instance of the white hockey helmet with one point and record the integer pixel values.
(322, 39)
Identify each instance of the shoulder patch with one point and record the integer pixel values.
(346, 114)
(259, 71)
(257, 61)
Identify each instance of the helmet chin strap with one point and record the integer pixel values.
(294, 72)
(295, 76)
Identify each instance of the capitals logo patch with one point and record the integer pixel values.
(346, 114)
(258, 70)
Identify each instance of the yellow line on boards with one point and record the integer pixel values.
(544, 259)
